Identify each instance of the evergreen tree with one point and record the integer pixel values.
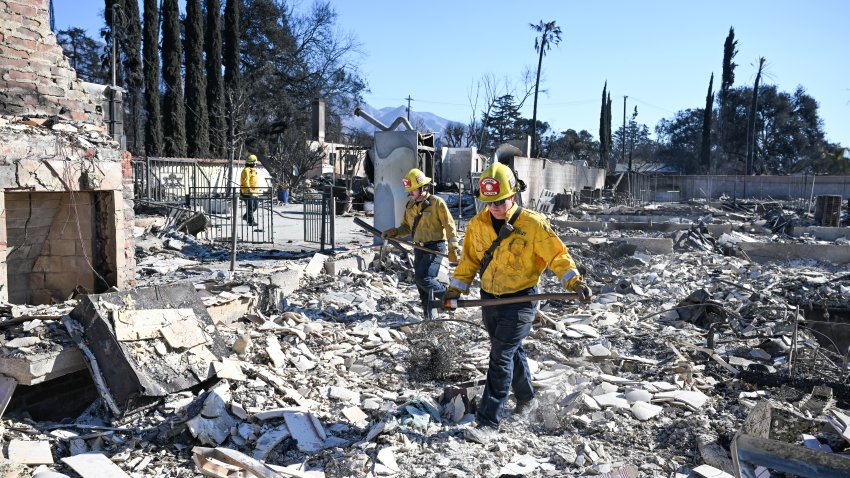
(603, 135)
(84, 55)
(153, 127)
(505, 122)
(215, 82)
(609, 141)
(727, 79)
(172, 108)
(232, 76)
(705, 147)
(197, 123)
(131, 43)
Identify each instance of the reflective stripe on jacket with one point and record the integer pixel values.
(249, 183)
(519, 260)
(436, 223)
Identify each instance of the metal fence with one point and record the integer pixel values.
(228, 214)
(319, 216)
(168, 180)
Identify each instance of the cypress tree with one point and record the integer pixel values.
(705, 147)
(131, 42)
(215, 85)
(197, 123)
(153, 127)
(609, 138)
(172, 108)
(603, 148)
(232, 80)
(727, 79)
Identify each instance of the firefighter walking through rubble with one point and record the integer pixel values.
(249, 189)
(509, 247)
(430, 224)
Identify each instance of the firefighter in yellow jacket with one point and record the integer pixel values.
(508, 268)
(429, 223)
(249, 189)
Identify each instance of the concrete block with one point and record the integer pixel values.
(30, 452)
(288, 280)
(228, 312)
(829, 253)
(316, 265)
(358, 262)
(38, 368)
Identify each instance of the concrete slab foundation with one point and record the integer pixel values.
(822, 233)
(762, 252)
(650, 245)
(599, 226)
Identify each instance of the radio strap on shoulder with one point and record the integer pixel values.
(505, 231)
(425, 203)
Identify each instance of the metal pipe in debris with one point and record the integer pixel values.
(459, 303)
(396, 240)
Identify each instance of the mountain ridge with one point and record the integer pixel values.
(422, 120)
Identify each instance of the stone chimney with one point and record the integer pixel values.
(66, 188)
(35, 77)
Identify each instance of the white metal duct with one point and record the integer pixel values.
(394, 154)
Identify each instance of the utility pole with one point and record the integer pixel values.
(623, 139)
(409, 99)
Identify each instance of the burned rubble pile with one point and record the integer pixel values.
(285, 369)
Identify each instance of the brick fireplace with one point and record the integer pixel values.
(65, 186)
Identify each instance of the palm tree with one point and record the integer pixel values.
(550, 34)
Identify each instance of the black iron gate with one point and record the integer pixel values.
(319, 218)
(226, 211)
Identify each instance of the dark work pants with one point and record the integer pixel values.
(507, 326)
(250, 206)
(426, 266)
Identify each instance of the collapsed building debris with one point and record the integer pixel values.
(324, 365)
(717, 343)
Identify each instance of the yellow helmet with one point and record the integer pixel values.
(414, 179)
(497, 182)
(252, 160)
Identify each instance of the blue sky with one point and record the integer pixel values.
(658, 52)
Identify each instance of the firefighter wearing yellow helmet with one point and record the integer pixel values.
(429, 223)
(508, 267)
(249, 189)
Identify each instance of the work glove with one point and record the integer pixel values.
(454, 255)
(391, 232)
(584, 293)
(450, 294)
